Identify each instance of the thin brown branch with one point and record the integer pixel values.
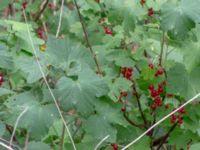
(87, 38)
(163, 139)
(10, 130)
(131, 122)
(139, 105)
(137, 68)
(146, 54)
(62, 137)
(26, 141)
(78, 127)
(41, 10)
(152, 131)
(11, 9)
(162, 48)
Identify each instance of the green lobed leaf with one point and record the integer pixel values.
(6, 60)
(31, 68)
(178, 81)
(195, 146)
(120, 84)
(44, 115)
(180, 17)
(195, 80)
(190, 52)
(65, 53)
(81, 92)
(99, 127)
(111, 112)
(4, 91)
(2, 128)
(38, 146)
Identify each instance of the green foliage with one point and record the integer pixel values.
(178, 81)
(115, 71)
(37, 145)
(81, 91)
(180, 17)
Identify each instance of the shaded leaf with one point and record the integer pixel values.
(178, 81)
(44, 115)
(99, 127)
(81, 92)
(38, 146)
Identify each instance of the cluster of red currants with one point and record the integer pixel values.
(142, 2)
(155, 94)
(150, 12)
(1, 79)
(178, 118)
(51, 6)
(40, 32)
(24, 4)
(159, 72)
(157, 99)
(114, 146)
(127, 72)
(106, 29)
(123, 94)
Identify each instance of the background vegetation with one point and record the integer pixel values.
(110, 68)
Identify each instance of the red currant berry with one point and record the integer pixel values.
(153, 106)
(150, 12)
(156, 75)
(160, 72)
(170, 95)
(179, 117)
(180, 121)
(123, 109)
(1, 78)
(159, 104)
(130, 70)
(114, 146)
(51, 6)
(173, 117)
(182, 111)
(24, 4)
(164, 83)
(157, 100)
(124, 94)
(107, 31)
(154, 93)
(166, 106)
(151, 66)
(128, 74)
(151, 87)
(173, 121)
(160, 89)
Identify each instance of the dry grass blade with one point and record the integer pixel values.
(60, 19)
(6, 146)
(16, 124)
(105, 138)
(46, 82)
